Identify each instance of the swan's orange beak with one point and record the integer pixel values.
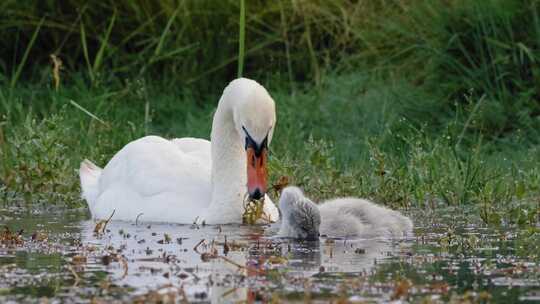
(256, 173)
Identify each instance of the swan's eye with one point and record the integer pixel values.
(251, 143)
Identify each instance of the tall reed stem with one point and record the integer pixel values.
(242, 37)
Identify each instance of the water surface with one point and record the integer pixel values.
(451, 257)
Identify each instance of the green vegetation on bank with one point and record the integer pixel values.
(410, 103)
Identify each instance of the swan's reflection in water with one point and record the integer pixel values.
(161, 255)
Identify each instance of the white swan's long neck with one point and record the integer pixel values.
(228, 163)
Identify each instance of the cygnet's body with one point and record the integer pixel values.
(338, 218)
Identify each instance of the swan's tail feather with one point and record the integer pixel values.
(89, 174)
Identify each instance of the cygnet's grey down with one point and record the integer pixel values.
(338, 218)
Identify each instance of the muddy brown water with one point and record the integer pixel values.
(452, 257)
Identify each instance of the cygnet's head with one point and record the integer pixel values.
(300, 216)
(254, 116)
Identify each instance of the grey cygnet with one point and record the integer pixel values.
(338, 218)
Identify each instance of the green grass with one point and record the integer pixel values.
(356, 136)
(464, 51)
(409, 103)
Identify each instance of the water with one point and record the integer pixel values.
(451, 257)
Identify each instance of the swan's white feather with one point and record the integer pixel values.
(89, 175)
(163, 180)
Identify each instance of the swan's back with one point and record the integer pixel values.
(163, 180)
(347, 217)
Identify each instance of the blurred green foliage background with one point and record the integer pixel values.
(399, 100)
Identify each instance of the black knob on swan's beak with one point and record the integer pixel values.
(256, 194)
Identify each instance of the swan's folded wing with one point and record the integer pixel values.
(196, 147)
(152, 177)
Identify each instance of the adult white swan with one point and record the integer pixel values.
(183, 179)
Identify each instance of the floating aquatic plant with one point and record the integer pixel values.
(253, 211)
